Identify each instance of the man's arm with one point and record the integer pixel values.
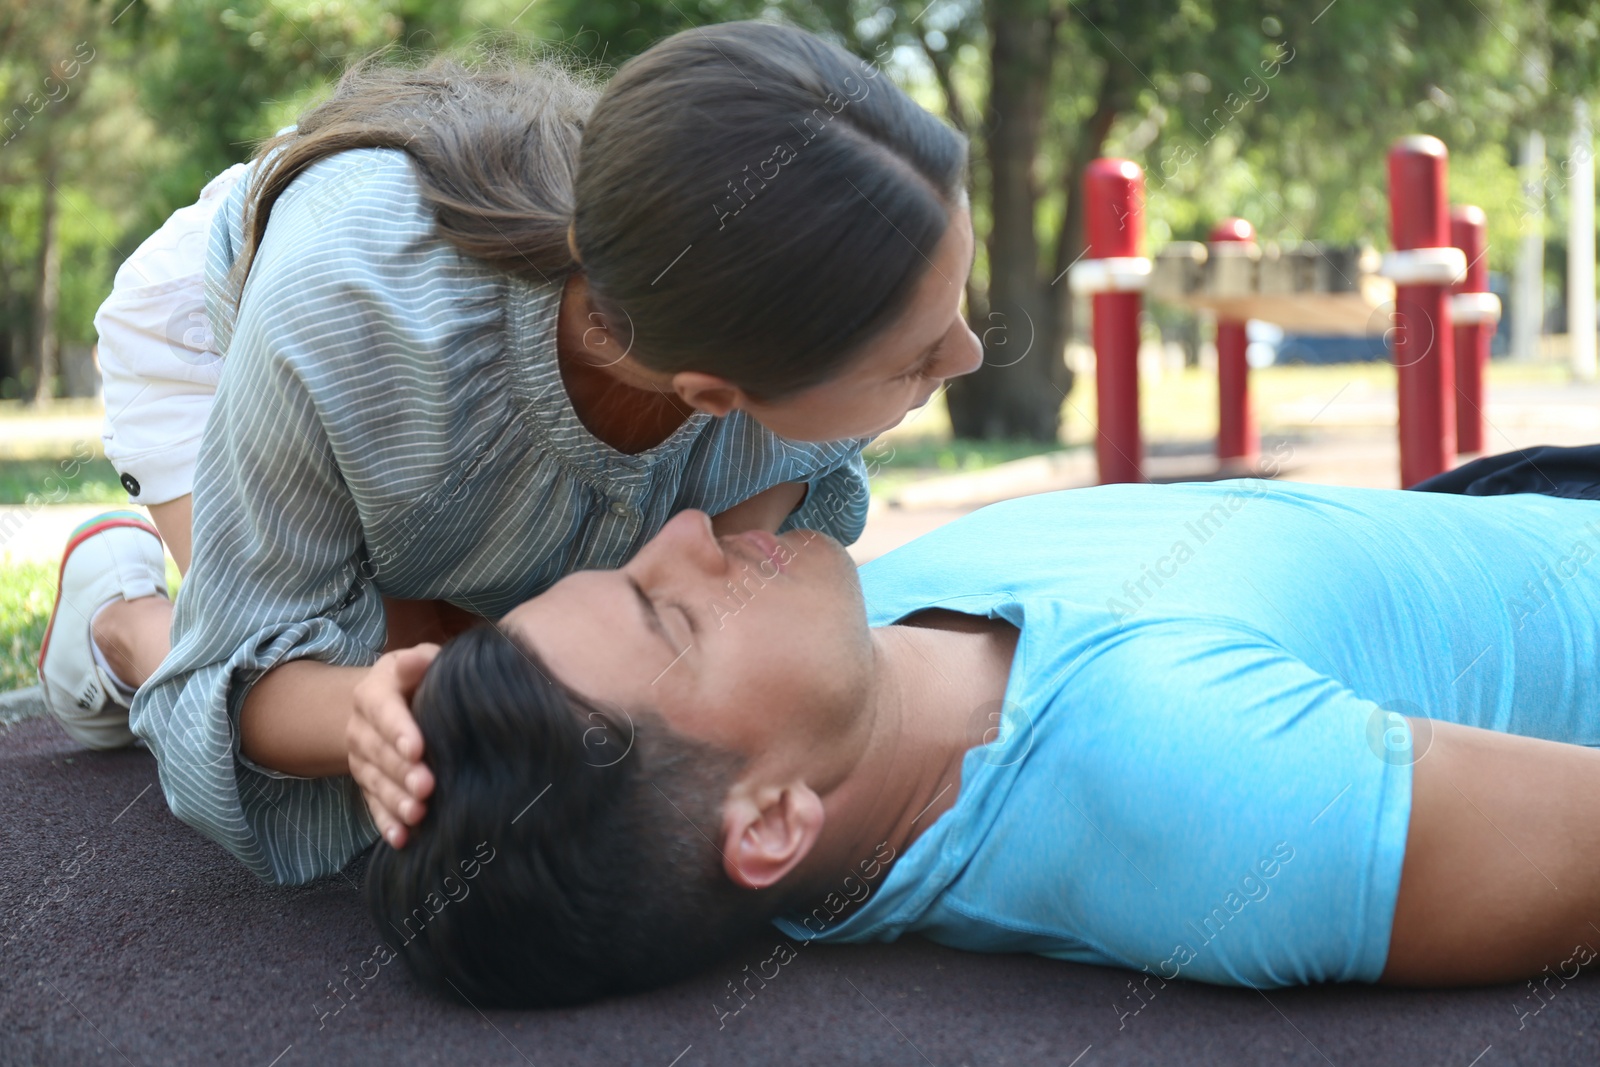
(1502, 862)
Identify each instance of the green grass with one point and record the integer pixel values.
(1182, 405)
(60, 481)
(899, 461)
(26, 593)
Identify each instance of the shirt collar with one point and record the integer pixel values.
(533, 313)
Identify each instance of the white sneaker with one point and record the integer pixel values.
(113, 556)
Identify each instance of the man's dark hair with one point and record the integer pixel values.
(567, 852)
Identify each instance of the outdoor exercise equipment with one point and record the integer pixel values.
(1115, 274)
(1237, 439)
(1423, 266)
(1475, 311)
(1307, 288)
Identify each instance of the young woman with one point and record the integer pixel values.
(482, 330)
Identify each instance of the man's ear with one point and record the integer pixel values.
(765, 836)
(709, 393)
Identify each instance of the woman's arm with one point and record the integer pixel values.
(410, 623)
(280, 580)
(837, 500)
(294, 719)
(381, 742)
(1502, 864)
(313, 720)
(764, 511)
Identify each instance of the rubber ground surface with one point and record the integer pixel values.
(130, 939)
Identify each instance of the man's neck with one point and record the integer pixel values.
(938, 687)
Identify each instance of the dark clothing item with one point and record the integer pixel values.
(1548, 469)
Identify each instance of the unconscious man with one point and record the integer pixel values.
(1245, 733)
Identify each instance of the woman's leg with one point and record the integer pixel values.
(160, 369)
(175, 520)
(136, 635)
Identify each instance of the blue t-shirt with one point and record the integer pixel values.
(1204, 767)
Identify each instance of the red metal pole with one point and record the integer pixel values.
(1424, 350)
(1237, 438)
(1113, 197)
(1474, 324)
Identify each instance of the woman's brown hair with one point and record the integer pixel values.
(748, 200)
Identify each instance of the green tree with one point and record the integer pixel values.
(1186, 89)
(1281, 112)
(112, 114)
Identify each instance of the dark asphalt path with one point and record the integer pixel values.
(129, 939)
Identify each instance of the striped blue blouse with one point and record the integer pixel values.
(391, 421)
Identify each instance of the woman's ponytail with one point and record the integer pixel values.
(495, 147)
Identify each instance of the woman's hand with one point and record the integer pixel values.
(385, 746)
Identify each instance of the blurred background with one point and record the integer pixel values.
(114, 113)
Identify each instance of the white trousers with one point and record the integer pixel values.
(158, 362)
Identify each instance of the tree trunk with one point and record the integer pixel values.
(47, 343)
(1014, 395)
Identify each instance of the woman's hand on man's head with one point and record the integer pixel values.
(385, 744)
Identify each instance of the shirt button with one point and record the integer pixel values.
(618, 508)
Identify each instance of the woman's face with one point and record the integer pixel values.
(902, 368)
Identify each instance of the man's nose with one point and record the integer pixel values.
(686, 542)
